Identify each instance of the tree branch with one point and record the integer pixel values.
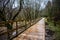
(18, 10)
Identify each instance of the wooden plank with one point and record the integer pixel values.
(35, 32)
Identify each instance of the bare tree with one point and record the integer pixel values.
(6, 11)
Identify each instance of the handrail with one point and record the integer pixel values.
(27, 26)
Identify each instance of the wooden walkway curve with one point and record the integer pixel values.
(35, 32)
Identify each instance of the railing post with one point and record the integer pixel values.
(16, 28)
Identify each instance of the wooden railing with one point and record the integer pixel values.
(16, 31)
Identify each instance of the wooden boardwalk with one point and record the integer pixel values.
(35, 32)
